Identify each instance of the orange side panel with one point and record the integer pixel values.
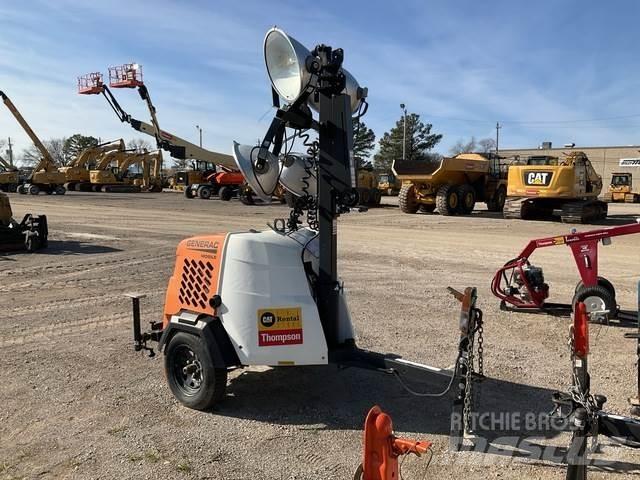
(196, 275)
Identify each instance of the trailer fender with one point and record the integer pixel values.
(211, 332)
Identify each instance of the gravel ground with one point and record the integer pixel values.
(77, 402)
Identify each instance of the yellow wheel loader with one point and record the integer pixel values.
(367, 182)
(452, 186)
(30, 234)
(45, 176)
(620, 189)
(9, 177)
(77, 172)
(549, 187)
(388, 184)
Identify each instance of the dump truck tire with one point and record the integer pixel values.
(496, 203)
(466, 199)
(204, 193)
(191, 374)
(225, 193)
(407, 200)
(447, 200)
(376, 197)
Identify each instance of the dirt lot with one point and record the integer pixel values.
(77, 402)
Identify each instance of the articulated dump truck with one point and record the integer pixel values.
(452, 186)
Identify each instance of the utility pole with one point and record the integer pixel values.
(200, 130)
(498, 127)
(404, 134)
(10, 152)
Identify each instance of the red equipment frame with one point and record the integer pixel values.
(128, 75)
(583, 245)
(90, 84)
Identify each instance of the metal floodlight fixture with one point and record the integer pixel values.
(135, 66)
(297, 175)
(292, 68)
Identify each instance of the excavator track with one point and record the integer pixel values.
(585, 211)
(576, 211)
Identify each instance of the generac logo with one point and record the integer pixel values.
(202, 244)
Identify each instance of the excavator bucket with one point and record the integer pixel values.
(90, 84)
(128, 75)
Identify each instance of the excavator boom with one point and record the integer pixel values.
(47, 163)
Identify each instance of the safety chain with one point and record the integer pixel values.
(472, 395)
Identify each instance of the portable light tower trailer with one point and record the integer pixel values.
(274, 297)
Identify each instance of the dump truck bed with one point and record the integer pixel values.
(458, 169)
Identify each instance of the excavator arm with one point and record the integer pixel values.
(46, 163)
(90, 153)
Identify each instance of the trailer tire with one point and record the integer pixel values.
(34, 190)
(603, 282)
(192, 377)
(596, 299)
(246, 197)
(407, 200)
(466, 199)
(225, 193)
(60, 190)
(204, 193)
(21, 190)
(447, 200)
(188, 193)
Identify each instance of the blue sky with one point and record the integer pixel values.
(563, 71)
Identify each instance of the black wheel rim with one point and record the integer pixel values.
(187, 370)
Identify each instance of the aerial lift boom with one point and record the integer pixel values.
(176, 146)
(45, 175)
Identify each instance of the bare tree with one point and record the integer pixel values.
(55, 146)
(484, 145)
(139, 145)
(487, 145)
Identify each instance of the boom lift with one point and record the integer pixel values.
(274, 297)
(77, 172)
(127, 76)
(45, 176)
(9, 176)
(546, 187)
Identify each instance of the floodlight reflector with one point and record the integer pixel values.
(285, 59)
(262, 182)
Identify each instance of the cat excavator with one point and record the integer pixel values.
(550, 187)
(9, 176)
(77, 172)
(117, 179)
(45, 176)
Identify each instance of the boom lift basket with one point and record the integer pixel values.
(128, 75)
(90, 84)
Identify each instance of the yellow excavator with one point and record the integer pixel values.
(621, 189)
(550, 187)
(9, 176)
(117, 178)
(77, 172)
(45, 176)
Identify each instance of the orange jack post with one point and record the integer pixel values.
(128, 75)
(382, 448)
(90, 84)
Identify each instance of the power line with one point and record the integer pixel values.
(533, 122)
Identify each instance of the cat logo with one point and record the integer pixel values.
(541, 179)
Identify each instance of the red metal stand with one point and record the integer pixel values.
(382, 448)
(128, 75)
